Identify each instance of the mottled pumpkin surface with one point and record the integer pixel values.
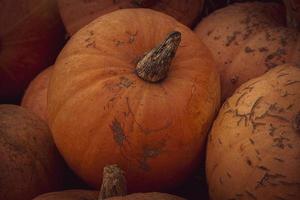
(31, 35)
(35, 97)
(78, 13)
(30, 163)
(101, 113)
(248, 39)
(253, 150)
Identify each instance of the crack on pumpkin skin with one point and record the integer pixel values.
(118, 132)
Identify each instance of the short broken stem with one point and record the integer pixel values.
(154, 66)
(113, 183)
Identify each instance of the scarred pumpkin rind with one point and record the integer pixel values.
(253, 146)
(248, 39)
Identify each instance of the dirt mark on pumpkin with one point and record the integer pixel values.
(118, 132)
(150, 152)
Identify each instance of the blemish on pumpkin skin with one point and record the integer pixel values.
(149, 152)
(125, 82)
(209, 32)
(118, 132)
(132, 36)
(296, 123)
(232, 38)
(234, 79)
(249, 49)
(263, 49)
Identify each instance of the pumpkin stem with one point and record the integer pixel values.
(113, 183)
(154, 66)
(292, 13)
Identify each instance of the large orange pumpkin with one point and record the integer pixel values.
(31, 34)
(78, 13)
(101, 112)
(247, 39)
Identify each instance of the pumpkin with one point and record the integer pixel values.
(111, 102)
(30, 36)
(30, 163)
(115, 188)
(35, 97)
(69, 195)
(253, 148)
(93, 195)
(248, 39)
(78, 13)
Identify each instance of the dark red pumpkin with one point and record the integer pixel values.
(31, 35)
(77, 13)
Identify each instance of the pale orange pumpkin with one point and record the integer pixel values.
(248, 39)
(35, 97)
(101, 112)
(31, 35)
(253, 149)
(78, 13)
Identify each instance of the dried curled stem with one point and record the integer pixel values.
(154, 66)
(113, 183)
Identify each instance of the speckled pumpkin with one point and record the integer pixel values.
(101, 112)
(30, 163)
(78, 13)
(253, 150)
(248, 39)
(35, 97)
(31, 35)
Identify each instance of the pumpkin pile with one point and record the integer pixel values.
(171, 100)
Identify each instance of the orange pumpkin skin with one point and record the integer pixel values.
(78, 13)
(30, 163)
(35, 97)
(101, 113)
(31, 35)
(247, 39)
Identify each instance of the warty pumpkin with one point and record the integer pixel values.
(77, 13)
(31, 35)
(30, 163)
(248, 39)
(102, 111)
(253, 150)
(35, 97)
